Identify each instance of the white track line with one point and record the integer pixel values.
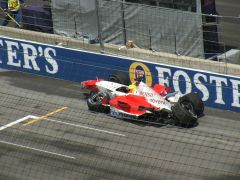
(80, 126)
(14, 122)
(39, 150)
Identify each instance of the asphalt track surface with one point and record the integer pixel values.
(47, 132)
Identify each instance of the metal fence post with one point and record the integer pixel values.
(99, 26)
(123, 22)
(175, 43)
(225, 59)
(150, 39)
(199, 11)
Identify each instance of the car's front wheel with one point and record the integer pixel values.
(95, 102)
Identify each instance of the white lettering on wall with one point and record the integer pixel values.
(161, 78)
(219, 92)
(29, 55)
(12, 54)
(176, 82)
(28, 59)
(54, 66)
(199, 85)
(236, 93)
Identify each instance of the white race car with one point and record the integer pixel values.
(152, 104)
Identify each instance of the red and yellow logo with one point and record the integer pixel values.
(137, 68)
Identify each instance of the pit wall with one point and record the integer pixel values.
(217, 90)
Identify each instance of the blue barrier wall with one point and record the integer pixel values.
(216, 90)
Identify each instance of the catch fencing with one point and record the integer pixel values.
(48, 132)
(116, 22)
(152, 28)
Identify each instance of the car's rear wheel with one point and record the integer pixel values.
(119, 77)
(184, 114)
(196, 102)
(95, 102)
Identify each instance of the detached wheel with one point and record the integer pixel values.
(184, 114)
(94, 102)
(119, 77)
(196, 102)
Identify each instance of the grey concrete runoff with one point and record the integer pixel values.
(47, 132)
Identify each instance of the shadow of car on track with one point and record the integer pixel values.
(158, 124)
(149, 122)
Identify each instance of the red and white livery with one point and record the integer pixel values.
(155, 104)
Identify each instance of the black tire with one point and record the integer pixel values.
(184, 114)
(94, 102)
(196, 102)
(119, 77)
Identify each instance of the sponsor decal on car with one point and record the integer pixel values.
(116, 113)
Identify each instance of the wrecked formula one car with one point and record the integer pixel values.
(149, 104)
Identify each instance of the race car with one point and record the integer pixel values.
(155, 104)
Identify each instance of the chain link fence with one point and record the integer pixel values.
(48, 132)
(228, 46)
(153, 28)
(150, 27)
